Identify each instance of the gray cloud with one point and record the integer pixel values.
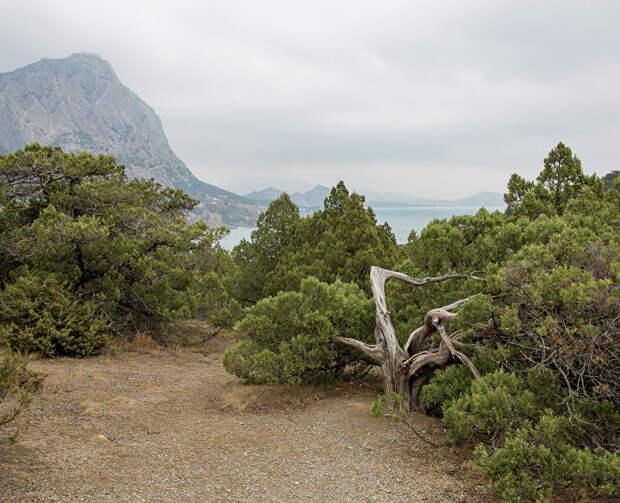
(385, 95)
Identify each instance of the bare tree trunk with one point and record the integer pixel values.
(404, 369)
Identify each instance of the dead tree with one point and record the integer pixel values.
(405, 369)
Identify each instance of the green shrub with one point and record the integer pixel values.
(450, 383)
(535, 461)
(43, 315)
(529, 450)
(446, 385)
(288, 339)
(16, 386)
(252, 364)
(548, 315)
(494, 404)
(559, 310)
(217, 305)
(598, 423)
(122, 245)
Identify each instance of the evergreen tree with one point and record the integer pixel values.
(561, 179)
(342, 241)
(122, 247)
(276, 230)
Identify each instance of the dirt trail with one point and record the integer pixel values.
(176, 428)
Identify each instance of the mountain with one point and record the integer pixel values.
(267, 195)
(479, 200)
(483, 200)
(608, 179)
(310, 199)
(391, 198)
(78, 103)
(314, 198)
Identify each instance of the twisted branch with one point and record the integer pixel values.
(400, 365)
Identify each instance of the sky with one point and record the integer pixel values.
(437, 99)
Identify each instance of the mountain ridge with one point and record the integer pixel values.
(79, 103)
(314, 198)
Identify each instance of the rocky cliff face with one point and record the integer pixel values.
(79, 104)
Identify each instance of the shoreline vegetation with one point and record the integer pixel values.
(501, 325)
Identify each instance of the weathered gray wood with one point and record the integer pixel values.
(404, 369)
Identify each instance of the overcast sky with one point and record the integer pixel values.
(435, 98)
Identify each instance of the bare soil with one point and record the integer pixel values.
(173, 426)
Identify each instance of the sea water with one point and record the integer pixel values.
(402, 220)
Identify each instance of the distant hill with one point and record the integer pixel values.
(396, 199)
(314, 198)
(482, 200)
(267, 195)
(310, 199)
(393, 198)
(608, 179)
(78, 103)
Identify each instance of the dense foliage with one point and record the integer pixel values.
(341, 241)
(309, 279)
(16, 386)
(288, 339)
(43, 315)
(545, 415)
(561, 180)
(116, 252)
(276, 230)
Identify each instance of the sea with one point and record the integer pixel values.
(402, 220)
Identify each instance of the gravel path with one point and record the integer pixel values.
(176, 428)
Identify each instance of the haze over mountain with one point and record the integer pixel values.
(78, 103)
(314, 198)
(310, 199)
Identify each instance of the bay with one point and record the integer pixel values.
(401, 219)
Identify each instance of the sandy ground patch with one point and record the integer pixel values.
(173, 426)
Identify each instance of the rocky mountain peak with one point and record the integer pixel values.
(78, 103)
